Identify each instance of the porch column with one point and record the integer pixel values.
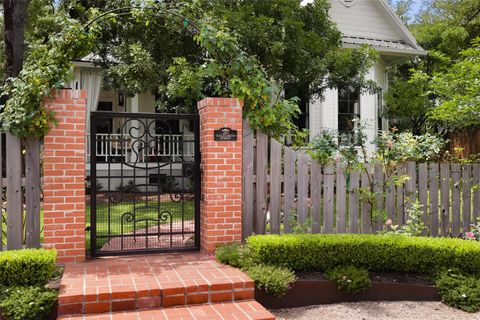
(134, 126)
(221, 165)
(64, 177)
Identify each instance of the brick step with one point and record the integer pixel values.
(244, 310)
(138, 283)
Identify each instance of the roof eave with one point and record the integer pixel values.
(413, 52)
(85, 64)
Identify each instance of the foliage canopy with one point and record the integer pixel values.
(150, 49)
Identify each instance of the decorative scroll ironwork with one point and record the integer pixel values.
(146, 182)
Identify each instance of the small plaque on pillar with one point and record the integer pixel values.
(225, 134)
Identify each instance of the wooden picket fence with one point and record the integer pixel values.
(20, 194)
(283, 186)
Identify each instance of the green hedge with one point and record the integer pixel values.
(27, 267)
(308, 252)
(26, 303)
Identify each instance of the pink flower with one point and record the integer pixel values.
(389, 222)
(338, 158)
(470, 235)
(389, 143)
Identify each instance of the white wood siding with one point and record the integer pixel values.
(314, 118)
(366, 18)
(324, 114)
(368, 113)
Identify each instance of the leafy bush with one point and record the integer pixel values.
(349, 278)
(27, 267)
(321, 252)
(324, 147)
(229, 254)
(390, 146)
(413, 227)
(234, 254)
(405, 146)
(459, 291)
(273, 279)
(130, 187)
(27, 303)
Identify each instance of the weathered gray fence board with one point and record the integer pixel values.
(423, 193)
(445, 198)
(390, 200)
(328, 201)
(353, 201)
(14, 193)
(302, 186)
(411, 185)
(378, 180)
(400, 196)
(456, 173)
(476, 194)
(466, 197)
(275, 185)
(248, 187)
(261, 179)
(341, 199)
(289, 183)
(316, 194)
(32, 192)
(366, 207)
(433, 184)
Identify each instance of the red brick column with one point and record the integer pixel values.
(221, 204)
(64, 177)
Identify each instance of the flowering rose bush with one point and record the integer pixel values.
(474, 234)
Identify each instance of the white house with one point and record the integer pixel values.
(369, 22)
(374, 23)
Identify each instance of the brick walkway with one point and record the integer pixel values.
(247, 310)
(156, 283)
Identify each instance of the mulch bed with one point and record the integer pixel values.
(394, 277)
(314, 288)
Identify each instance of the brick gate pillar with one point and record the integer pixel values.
(221, 165)
(64, 177)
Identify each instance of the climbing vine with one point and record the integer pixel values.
(232, 72)
(46, 67)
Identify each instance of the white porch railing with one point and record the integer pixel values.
(122, 148)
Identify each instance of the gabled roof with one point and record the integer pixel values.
(413, 42)
(373, 22)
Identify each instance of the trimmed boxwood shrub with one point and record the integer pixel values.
(274, 280)
(308, 252)
(459, 291)
(27, 303)
(26, 267)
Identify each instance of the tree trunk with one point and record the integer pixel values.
(15, 17)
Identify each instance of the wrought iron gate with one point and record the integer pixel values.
(144, 183)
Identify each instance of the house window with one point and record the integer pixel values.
(348, 113)
(105, 125)
(380, 120)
